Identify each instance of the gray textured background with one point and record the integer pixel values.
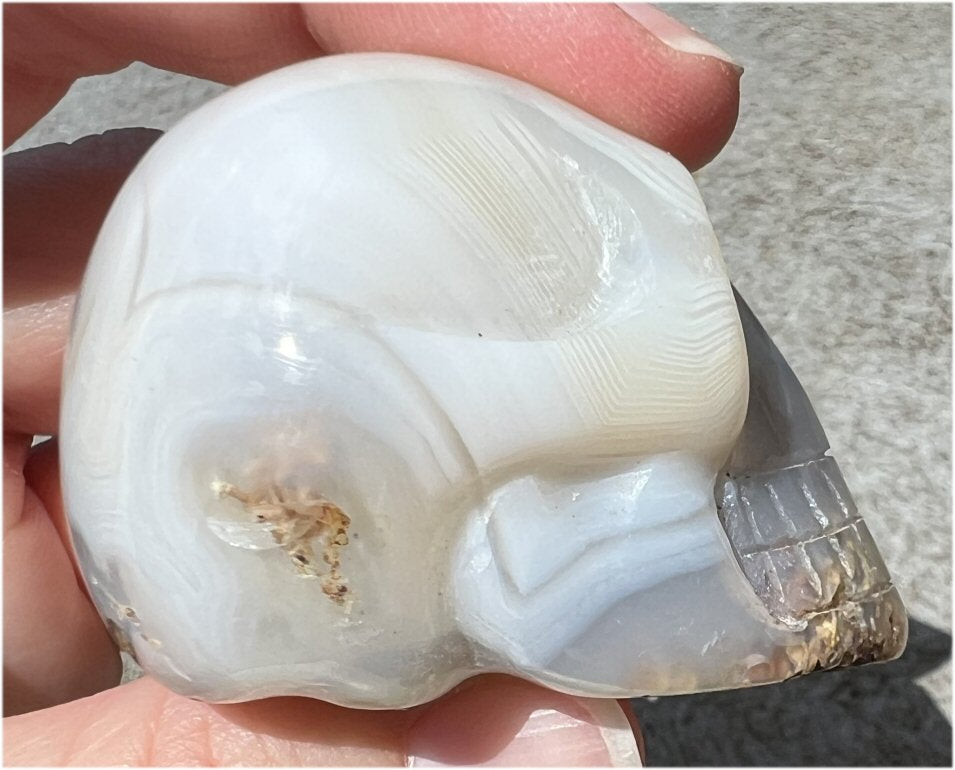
(833, 206)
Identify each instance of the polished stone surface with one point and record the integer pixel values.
(527, 441)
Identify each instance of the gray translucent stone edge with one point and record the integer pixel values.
(794, 528)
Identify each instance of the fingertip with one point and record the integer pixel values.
(672, 32)
(703, 117)
(501, 721)
(702, 95)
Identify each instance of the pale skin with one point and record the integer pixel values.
(62, 701)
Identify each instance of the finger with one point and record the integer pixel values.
(595, 56)
(55, 648)
(55, 199)
(497, 720)
(143, 724)
(47, 46)
(492, 720)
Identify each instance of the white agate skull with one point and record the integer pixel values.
(387, 371)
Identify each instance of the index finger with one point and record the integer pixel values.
(653, 78)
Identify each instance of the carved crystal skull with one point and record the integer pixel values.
(387, 371)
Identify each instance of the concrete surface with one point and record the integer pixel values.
(833, 206)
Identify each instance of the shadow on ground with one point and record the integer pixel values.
(873, 715)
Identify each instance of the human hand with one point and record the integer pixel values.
(56, 649)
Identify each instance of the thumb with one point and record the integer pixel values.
(492, 720)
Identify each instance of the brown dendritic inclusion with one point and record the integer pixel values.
(299, 524)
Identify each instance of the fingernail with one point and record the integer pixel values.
(579, 732)
(676, 35)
